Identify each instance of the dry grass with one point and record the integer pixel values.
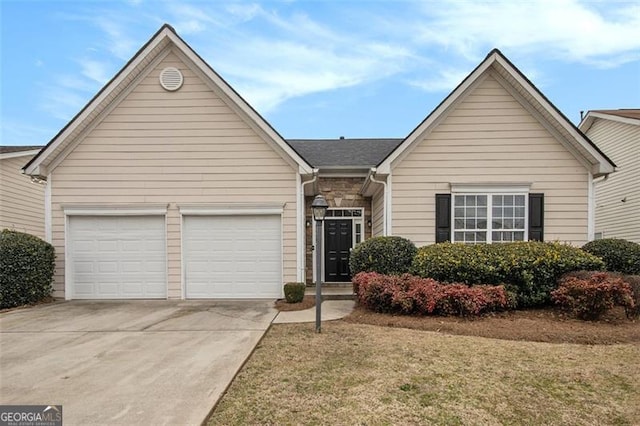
(365, 374)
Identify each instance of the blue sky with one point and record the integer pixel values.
(320, 69)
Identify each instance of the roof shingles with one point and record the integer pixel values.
(344, 152)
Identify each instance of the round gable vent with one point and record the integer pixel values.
(171, 79)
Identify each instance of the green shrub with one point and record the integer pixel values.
(528, 269)
(294, 292)
(589, 298)
(411, 295)
(385, 255)
(618, 255)
(27, 264)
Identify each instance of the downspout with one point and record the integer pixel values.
(302, 258)
(384, 201)
(591, 206)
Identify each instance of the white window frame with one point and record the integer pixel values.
(489, 191)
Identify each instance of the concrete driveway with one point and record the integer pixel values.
(134, 362)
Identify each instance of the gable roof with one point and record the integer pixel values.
(629, 116)
(10, 151)
(357, 153)
(164, 37)
(546, 111)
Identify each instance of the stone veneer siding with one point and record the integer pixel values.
(339, 192)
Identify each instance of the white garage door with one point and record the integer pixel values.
(117, 257)
(232, 256)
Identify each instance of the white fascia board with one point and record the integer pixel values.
(604, 166)
(18, 154)
(385, 166)
(232, 209)
(114, 209)
(592, 115)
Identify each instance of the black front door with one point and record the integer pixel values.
(338, 239)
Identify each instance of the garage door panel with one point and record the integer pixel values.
(117, 257)
(233, 256)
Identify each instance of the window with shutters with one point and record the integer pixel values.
(489, 218)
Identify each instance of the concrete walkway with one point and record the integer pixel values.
(330, 310)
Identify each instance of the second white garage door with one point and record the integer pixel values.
(232, 256)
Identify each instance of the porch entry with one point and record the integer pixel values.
(343, 229)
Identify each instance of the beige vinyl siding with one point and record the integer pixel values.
(21, 200)
(174, 148)
(621, 142)
(377, 213)
(489, 137)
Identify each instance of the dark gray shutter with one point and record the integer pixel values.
(536, 217)
(443, 218)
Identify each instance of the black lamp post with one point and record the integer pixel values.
(319, 208)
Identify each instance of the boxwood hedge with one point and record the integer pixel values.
(26, 269)
(529, 269)
(618, 255)
(384, 255)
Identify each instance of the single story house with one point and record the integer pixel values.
(168, 184)
(617, 210)
(21, 198)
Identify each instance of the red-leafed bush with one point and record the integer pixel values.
(362, 278)
(411, 295)
(589, 296)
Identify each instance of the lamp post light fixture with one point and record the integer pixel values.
(319, 208)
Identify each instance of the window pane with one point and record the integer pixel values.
(470, 211)
(518, 236)
(519, 200)
(496, 236)
(481, 236)
(458, 236)
(519, 223)
(482, 212)
(458, 224)
(482, 200)
(508, 212)
(347, 213)
(458, 201)
(471, 200)
(519, 212)
(470, 224)
(497, 223)
(496, 211)
(497, 200)
(482, 224)
(459, 212)
(357, 213)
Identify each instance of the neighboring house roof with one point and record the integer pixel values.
(547, 113)
(629, 116)
(117, 88)
(18, 151)
(343, 152)
(627, 113)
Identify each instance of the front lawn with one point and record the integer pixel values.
(367, 374)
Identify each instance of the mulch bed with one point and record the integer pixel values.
(307, 302)
(537, 325)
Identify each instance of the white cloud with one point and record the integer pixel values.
(567, 30)
(97, 71)
(443, 80)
